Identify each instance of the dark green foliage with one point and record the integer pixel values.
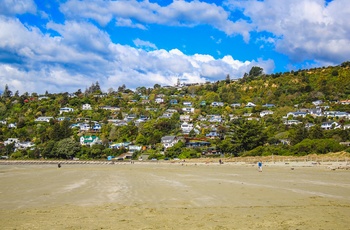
(247, 135)
(319, 146)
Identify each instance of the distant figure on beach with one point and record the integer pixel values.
(260, 166)
(59, 165)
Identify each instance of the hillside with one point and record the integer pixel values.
(293, 113)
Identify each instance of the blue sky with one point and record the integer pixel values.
(62, 46)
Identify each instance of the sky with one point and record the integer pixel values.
(65, 45)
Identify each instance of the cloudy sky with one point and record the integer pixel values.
(66, 45)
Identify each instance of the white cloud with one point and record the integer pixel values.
(126, 22)
(304, 29)
(11, 7)
(82, 54)
(145, 44)
(178, 13)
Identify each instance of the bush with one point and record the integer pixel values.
(318, 146)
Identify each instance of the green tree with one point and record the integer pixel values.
(67, 148)
(255, 71)
(247, 135)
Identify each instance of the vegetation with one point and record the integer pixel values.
(242, 132)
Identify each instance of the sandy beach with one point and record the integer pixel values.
(188, 195)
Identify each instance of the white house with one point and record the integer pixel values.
(90, 140)
(66, 110)
(265, 112)
(187, 103)
(250, 105)
(291, 122)
(297, 114)
(10, 141)
(217, 104)
(86, 107)
(43, 119)
(159, 100)
(186, 127)
(185, 118)
(188, 110)
(330, 125)
(84, 127)
(169, 141)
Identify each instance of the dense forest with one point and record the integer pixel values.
(255, 118)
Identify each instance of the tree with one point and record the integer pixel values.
(247, 135)
(7, 93)
(255, 71)
(298, 134)
(228, 80)
(67, 148)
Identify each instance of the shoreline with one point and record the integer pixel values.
(291, 162)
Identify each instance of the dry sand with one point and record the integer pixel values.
(186, 195)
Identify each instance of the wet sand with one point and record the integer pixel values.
(174, 196)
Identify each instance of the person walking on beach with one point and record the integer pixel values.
(260, 166)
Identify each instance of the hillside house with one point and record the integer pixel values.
(265, 113)
(66, 110)
(43, 119)
(169, 141)
(90, 140)
(86, 107)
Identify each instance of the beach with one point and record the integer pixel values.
(175, 195)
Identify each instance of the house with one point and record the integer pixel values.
(63, 119)
(66, 110)
(166, 115)
(196, 143)
(345, 102)
(11, 141)
(213, 134)
(119, 145)
(265, 112)
(330, 125)
(169, 141)
(291, 122)
(84, 127)
(250, 105)
(188, 110)
(159, 100)
(337, 114)
(90, 140)
(130, 117)
(268, 105)
(134, 148)
(43, 119)
(217, 104)
(317, 103)
(112, 108)
(173, 102)
(186, 127)
(297, 114)
(185, 118)
(234, 105)
(12, 126)
(214, 118)
(24, 145)
(86, 107)
(96, 127)
(187, 103)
